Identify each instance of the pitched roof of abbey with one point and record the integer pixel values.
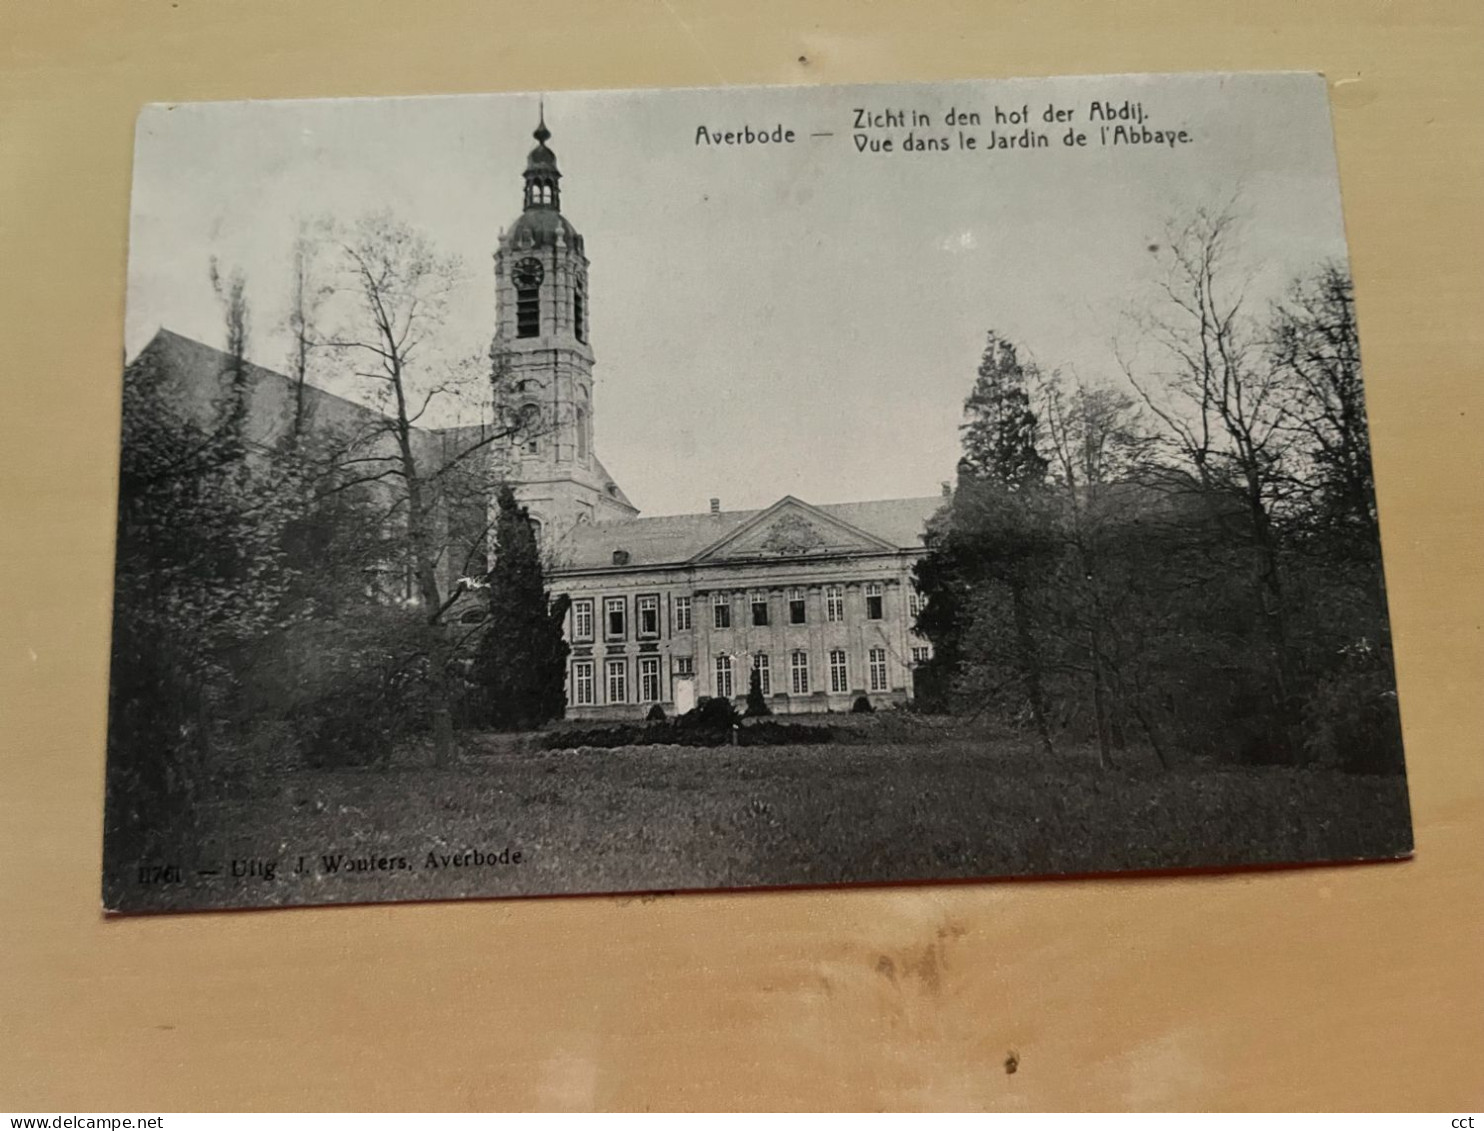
(198, 374)
(875, 527)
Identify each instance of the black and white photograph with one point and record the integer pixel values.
(672, 490)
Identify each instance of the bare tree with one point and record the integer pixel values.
(1225, 410)
(1315, 349)
(399, 287)
(1097, 447)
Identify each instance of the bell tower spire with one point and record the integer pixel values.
(542, 361)
(542, 175)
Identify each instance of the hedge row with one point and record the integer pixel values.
(678, 732)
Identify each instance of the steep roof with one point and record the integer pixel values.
(612, 486)
(198, 376)
(678, 538)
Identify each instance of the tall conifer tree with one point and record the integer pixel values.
(999, 434)
(993, 534)
(522, 661)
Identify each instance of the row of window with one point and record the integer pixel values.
(616, 673)
(615, 617)
(799, 673)
(726, 676)
(797, 606)
(723, 608)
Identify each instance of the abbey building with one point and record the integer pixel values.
(817, 599)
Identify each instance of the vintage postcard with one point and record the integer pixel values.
(755, 487)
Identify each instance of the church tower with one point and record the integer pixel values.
(542, 361)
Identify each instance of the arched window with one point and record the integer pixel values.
(530, 428)
(536, 529)
(579, 308)
(582, 434)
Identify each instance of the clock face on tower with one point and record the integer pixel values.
(528, 273)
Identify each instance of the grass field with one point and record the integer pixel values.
(888, 806)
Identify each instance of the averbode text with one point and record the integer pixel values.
(777, 134)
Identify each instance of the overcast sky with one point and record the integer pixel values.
(784, 319)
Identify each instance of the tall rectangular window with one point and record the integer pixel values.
(721, 610)
(724, 677)
(582, 684)
(839, 674)
(685, 667)
(582, 619)
(528, 312)
(834, 603)
(579, 309)
(764, 673)
(916, 602)
(647, 611)
(682, 614)
(874, 610)
(799, 670)
(614, 626)
(797, 609)
(760, 610)
(649, 679)
(618, 681)
(878, 669)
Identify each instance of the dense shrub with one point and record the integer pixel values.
(349, 689)
(713, 713)
(1229, 713)
(621, 734)
(678, 732)
(784, 734)
(933, 686)
(656, 714)
(1352, 722)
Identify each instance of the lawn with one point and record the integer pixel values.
(891, 805)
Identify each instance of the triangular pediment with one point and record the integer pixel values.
(791, 528)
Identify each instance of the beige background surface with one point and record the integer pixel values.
(1358, 987)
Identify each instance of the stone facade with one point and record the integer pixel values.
(824, 626)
